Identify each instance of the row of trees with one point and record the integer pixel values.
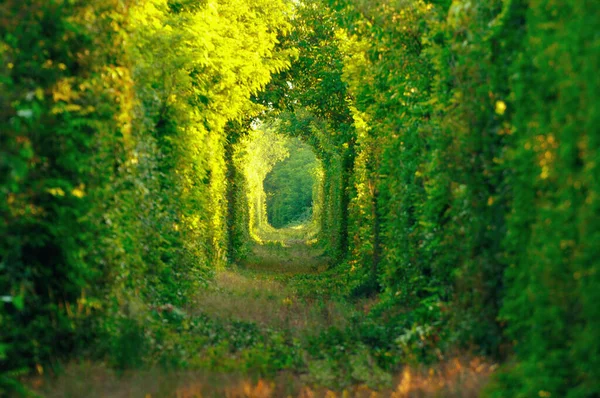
(465, 140)
(114, 123)
(255, 156)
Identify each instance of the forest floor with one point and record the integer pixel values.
(271, 327)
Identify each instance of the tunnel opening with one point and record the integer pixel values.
(284, 185)
(290, 187)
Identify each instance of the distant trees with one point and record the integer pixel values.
(258, 152)
(289, 186)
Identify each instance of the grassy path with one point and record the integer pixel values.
(271, 327)
(259, 291)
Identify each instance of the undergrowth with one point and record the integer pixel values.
(260, 324)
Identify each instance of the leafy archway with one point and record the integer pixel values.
(144, 147)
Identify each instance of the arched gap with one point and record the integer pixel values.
(284, 184)
(290, 187)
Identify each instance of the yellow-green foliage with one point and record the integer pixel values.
(113, 170)
(207, 61)
(475, 175)
(257, 154)
(290, 186)
(314, 101)
(459, 148)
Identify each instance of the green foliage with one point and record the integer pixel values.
(113, 184)
(452, 173)
(289, 187)
(256, 156)
(468, 160)
(553, 226)
(413, 194)
(64, 137)
(312, 100)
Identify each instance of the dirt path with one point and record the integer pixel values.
(254, 317)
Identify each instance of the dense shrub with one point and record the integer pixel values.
(474, 175)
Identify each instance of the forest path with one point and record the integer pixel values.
(254, 320)
(269, 288)
(271, 327)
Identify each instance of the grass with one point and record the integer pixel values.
(456, 378)
(268, 302)
(276, 325)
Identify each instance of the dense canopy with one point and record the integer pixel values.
(374, 186)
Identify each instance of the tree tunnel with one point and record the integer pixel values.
(282, 179)
(437, 159)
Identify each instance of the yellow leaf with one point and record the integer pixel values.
(79, 191)
(500, 107)
(56, 191)
(39, 93)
